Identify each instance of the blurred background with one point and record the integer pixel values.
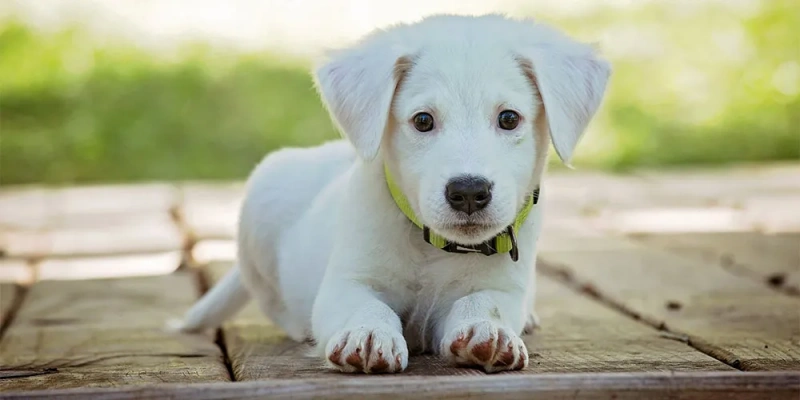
(128, 127)
(124, 91)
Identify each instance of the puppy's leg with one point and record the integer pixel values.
(532, 323)
(476, 333)
(358, 331)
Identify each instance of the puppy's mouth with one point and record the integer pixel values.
(470, 232)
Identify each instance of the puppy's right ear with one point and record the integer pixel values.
(357, 86)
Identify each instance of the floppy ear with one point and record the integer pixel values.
(571, 80)
(357, 86)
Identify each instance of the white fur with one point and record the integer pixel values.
(326, 252)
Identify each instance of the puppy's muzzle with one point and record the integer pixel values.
(468, 193)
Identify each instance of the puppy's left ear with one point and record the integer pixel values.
(357, 86)
(571, 79)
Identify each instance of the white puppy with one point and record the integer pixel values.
(352, 243)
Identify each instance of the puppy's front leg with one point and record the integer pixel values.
(359, 332)
(482, 329)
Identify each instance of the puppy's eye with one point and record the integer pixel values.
(508, 120)
(423, 122)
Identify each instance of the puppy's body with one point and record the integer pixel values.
(324, 248)
(286, 241)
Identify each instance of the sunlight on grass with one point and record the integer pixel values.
(706, 83)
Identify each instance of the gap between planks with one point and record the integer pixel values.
(579, 335)
(10, 304)
(189, 239)
(219, 335)
(589, 290)
(770, 259)
(728, 317)
(60, 338)
(188, 261)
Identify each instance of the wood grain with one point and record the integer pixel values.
(101, 333)
(620, 386)
(578, 335)
(773, 259)
(735, 319)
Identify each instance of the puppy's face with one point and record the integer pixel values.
(461, 109)
(461, 139)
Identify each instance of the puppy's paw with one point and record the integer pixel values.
(486, 345)
(532, 324)
(369, 350)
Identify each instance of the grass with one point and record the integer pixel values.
(723, 88)
(123, 116)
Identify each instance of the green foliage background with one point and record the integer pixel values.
(708, 85)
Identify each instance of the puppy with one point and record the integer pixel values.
(418, 232)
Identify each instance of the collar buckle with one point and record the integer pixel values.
(486, 248)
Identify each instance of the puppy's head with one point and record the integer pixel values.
(462, 110)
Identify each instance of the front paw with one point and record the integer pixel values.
(484, 344)
(368, 350)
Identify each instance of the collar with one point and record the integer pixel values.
(504, 242)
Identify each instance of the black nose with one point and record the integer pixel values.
(468, 193)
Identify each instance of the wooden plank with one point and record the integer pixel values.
(102, 333)
(730, 182)
(210, 211)
(774, 213)
(8, 297)
(117, 266)
(620, 386)
(772, 259)
(579, 335)
(737, 320)
(148, 234)
(33, 207)
(740, 199)
(17, 271)
(210, 251)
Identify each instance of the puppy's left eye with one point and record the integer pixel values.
(508, 120)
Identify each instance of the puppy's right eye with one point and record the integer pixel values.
(423, 122)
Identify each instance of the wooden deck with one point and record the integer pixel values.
(652, 285)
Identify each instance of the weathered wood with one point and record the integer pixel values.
(19, 271)
(106, 333)
(735, 319)
(8, 296)
(620, 386)
(771, 259)
(728, 182)
(146, 233)
(32, 207)
(740, 199)
(578, 335)
(775, 213)
(210, 211)
(211, 251)
(117, 266)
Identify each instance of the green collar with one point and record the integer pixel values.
(504, 242)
